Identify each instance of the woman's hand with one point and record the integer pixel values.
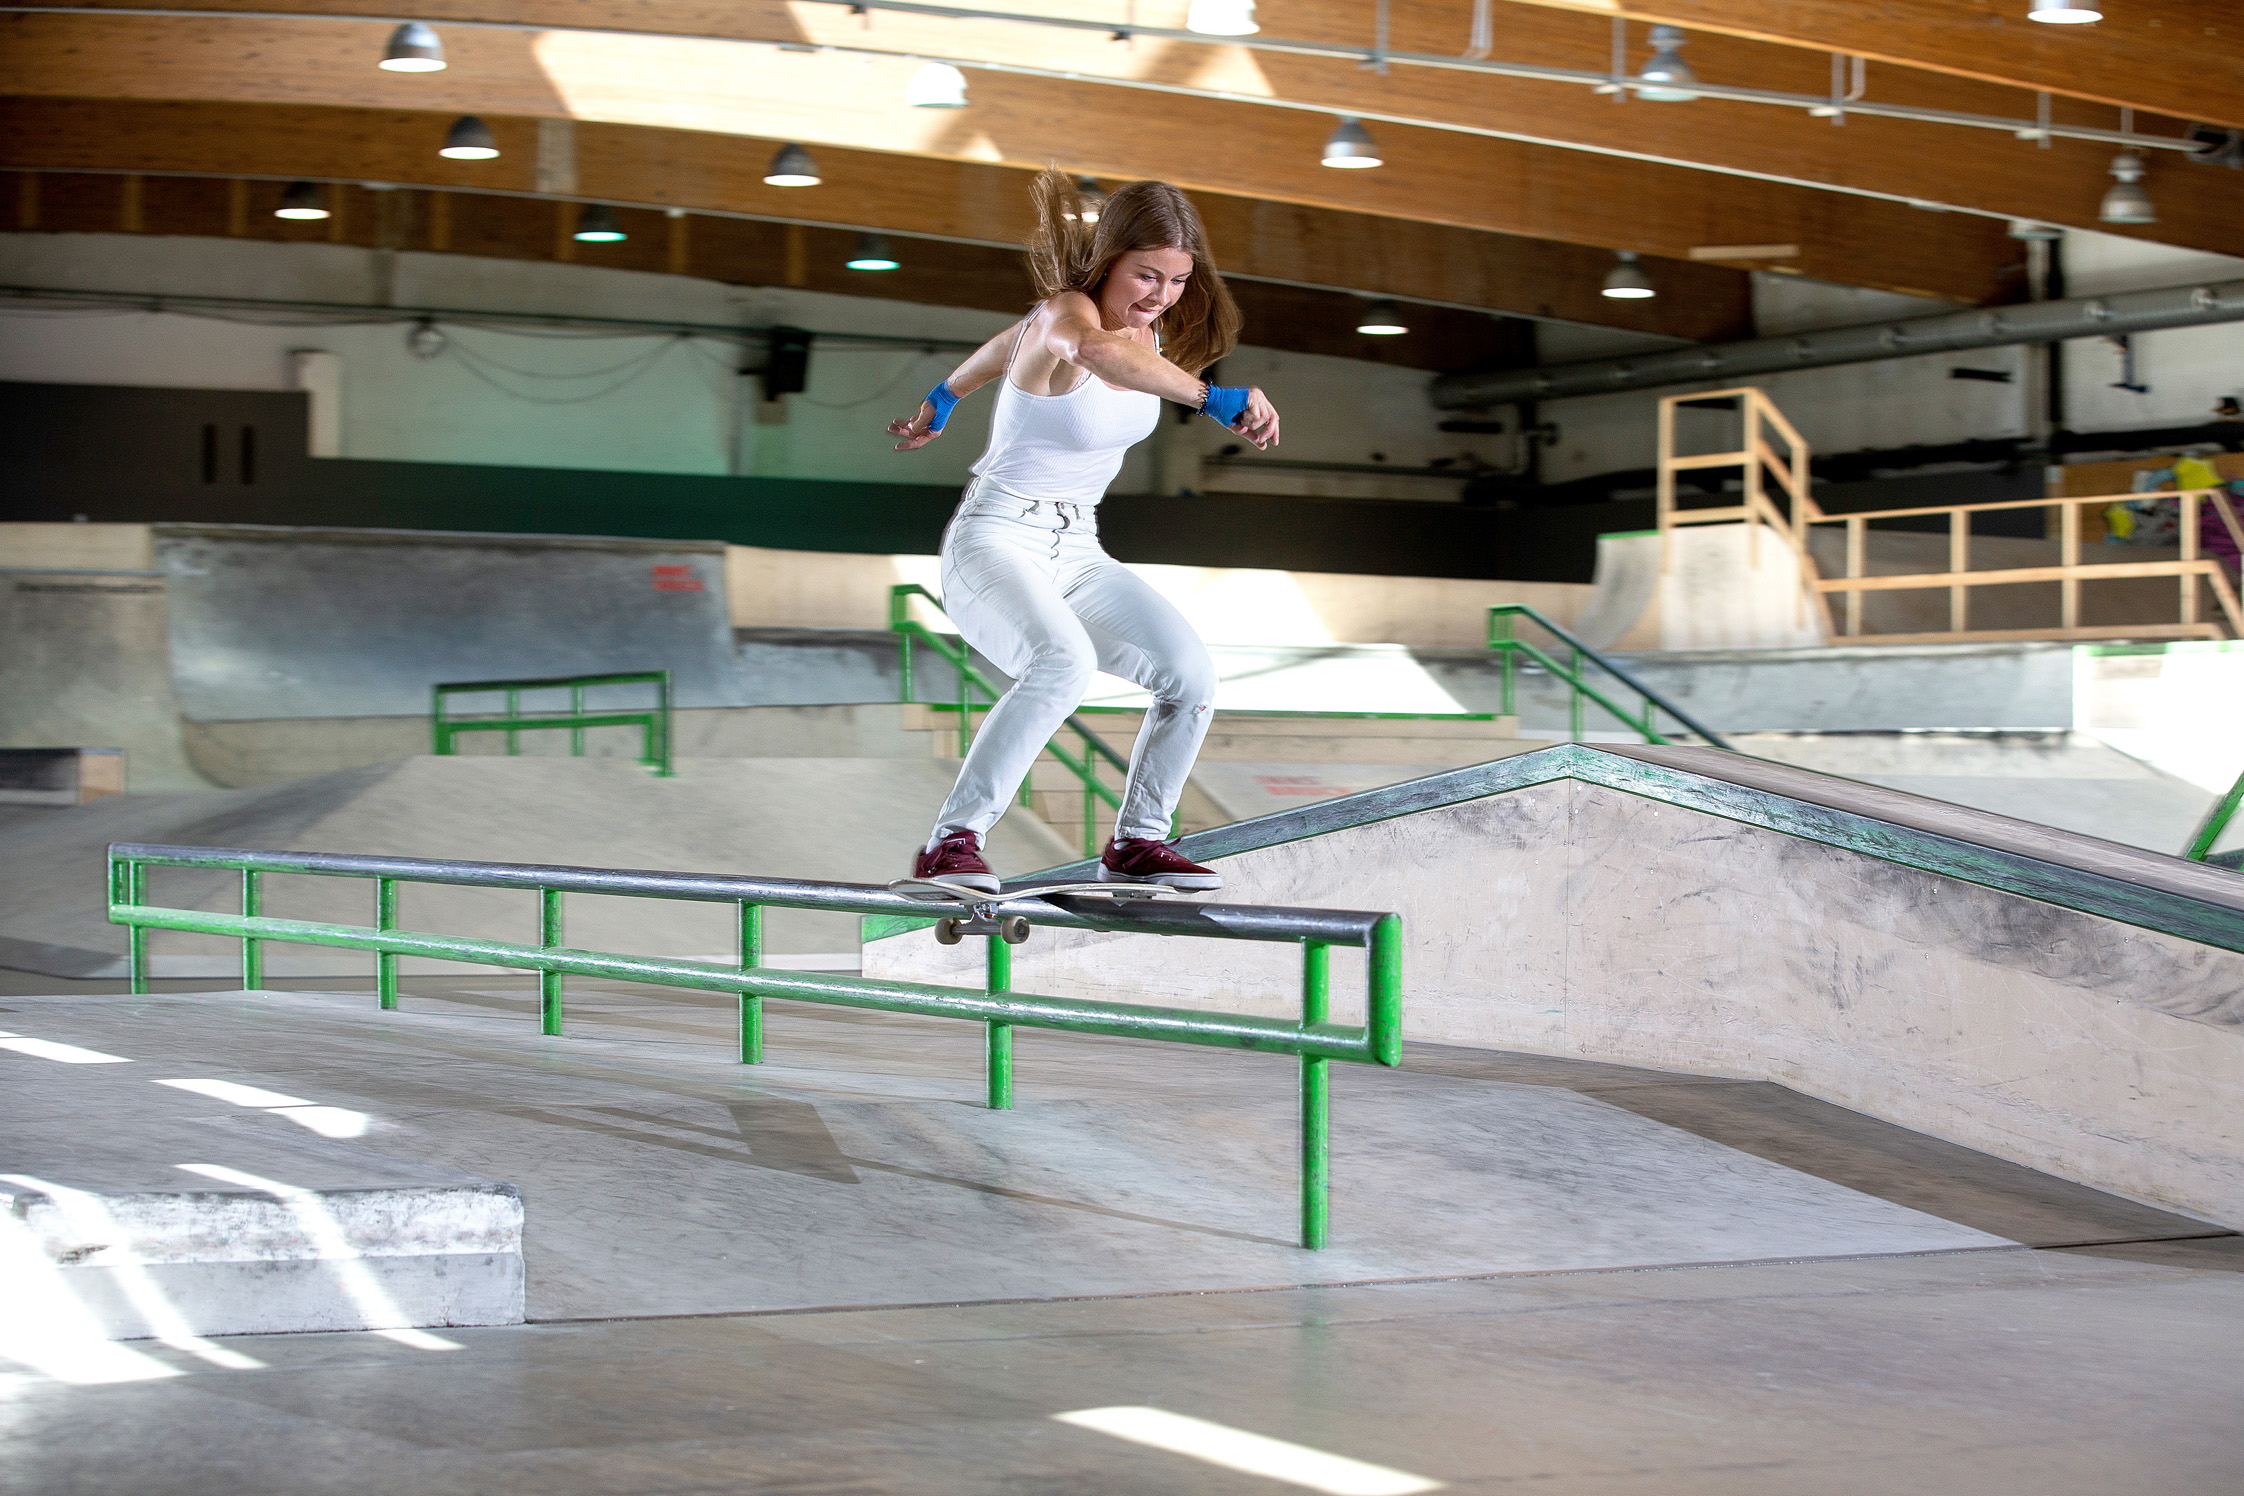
(920, 429)
(1260, 423)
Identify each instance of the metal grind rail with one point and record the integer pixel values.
(653, 722)
(1314, 1038)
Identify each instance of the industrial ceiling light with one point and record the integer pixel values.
(1666, 78)
(1381, 320)
(873, 253)
(413, 48)
(425, 341)
(2063, 12)
(302, 200)
(469, 140)
(1351, 146)
(792, 166)
(597, 225)
(1626, 280)
(2126, 201)
(1221, 18)
(936, 85)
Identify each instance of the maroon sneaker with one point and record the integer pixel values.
(1142, 860)
(957, 858)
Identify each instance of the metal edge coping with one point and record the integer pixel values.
(2079, 889)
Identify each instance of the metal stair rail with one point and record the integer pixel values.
(653, 722)
(1083, 764)
(1643, 722)
(1314, 1039)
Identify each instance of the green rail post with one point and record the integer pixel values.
(965, 712)
(253, 952)
(751, 1005)
(437, 744)
(2215, 822)
(576, 734)
(899, 617)
(513, 713)
(385, 962)
(1316, 1098)
(1000, 1034)
(662, 715)
(1574, 699)
(136, 936)
(549, 982)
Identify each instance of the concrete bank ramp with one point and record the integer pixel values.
(2060, 1001)
(85, 662)
(1700, 587)
(856, 820)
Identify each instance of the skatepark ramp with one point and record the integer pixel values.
(2060, 1001)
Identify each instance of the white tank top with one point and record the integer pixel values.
(1066, 447)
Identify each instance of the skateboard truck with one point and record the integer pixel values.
(983, 920)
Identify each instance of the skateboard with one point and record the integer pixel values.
(982, 917)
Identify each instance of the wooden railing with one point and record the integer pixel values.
(2192, 573)
(1759, 461)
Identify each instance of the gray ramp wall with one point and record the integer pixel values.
(310, 623)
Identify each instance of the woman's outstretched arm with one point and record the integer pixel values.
(1072, 333)
(980, 367)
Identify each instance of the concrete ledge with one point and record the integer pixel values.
(187, 1198)
(236, 1262)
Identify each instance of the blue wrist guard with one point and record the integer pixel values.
(1225, 404)
(942, 399)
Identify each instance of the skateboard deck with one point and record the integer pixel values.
(941, 890)
(977, 908)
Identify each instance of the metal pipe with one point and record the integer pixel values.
(549, 980)
(1073, 1015)
(1000, 1064)
(1150, 917)
(253, 955)
(751, 1004)
(385, 964)
(1991, 327)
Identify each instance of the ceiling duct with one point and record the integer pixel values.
(1989, 327)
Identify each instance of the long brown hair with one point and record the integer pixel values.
(1066, 254)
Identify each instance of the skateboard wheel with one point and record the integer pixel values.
(946, 932)
(1014, 928)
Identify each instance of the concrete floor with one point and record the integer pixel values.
(1860, 1363)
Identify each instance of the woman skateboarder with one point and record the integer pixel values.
(1131, 311)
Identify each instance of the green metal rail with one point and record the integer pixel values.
(1314, 1039)
(1643, 721)
(2208, 835)
(653, 722)
(1092, 750)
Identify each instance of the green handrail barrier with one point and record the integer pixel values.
(1644, 722)
(1314, 1039)
(653, 722)
(1084, 764)
(2208, 835)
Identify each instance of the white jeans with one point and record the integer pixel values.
(1028, 585)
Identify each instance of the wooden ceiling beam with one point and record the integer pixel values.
(1975, 169)
(2175, 57)
(1288, 243)
(1594, 197)
(739, 251)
